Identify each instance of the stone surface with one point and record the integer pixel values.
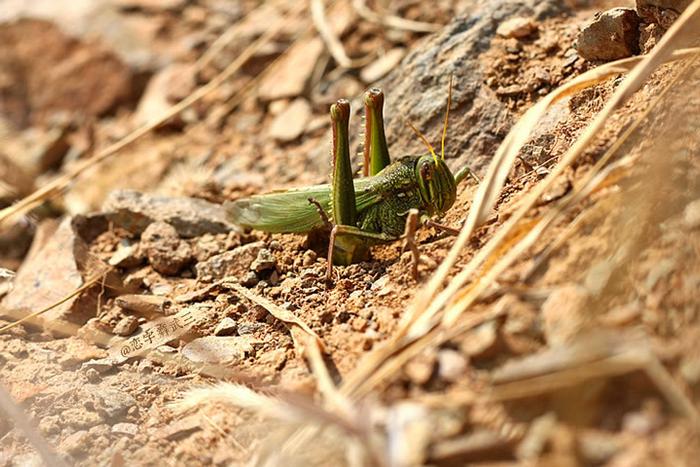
(166, 252)
(226, 327)
(129, 429)
(76, 443)
(126, 326)
(418, 89)
(264, 261)
(564, 314)
(234, 262)
(517, 28)
(42, 64)
(289, 124)
(611, 35)
(383, 65)
(191, 217)
(661, 12)
(291, 73)
(40, 283)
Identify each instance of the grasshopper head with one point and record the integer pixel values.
(436, 184)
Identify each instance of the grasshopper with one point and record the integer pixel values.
(376, 208)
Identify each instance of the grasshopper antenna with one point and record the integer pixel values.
(447, 114)
(424, 139)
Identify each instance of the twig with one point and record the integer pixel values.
(391, 21)
(335, 47)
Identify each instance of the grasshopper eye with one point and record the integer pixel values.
(426, 171)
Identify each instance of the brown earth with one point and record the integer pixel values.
(615, 280)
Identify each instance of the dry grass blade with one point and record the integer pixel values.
(13, 412)
(419, 317)
(333, 44)
(391, 21)
(89, 283)
(55, 187)
(661, 53)
(240, 396)
(424, 307)
(308, 344)
(560, 368)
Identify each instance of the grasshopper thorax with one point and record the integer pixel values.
(436, 184)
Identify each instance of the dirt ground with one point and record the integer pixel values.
(582, 352)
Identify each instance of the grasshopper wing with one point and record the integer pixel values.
(289, 211)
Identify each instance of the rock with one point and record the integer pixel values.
(226, 327)
(290, 123)
(246, 329)
(163, 90)
(78, 351)
(564, 314)
(77, 443)
(250, 279)
(191, 217)
(481, 340)
(383, 65)
(265, 261)
(611, 35)
(417, 89)
(661, 12)
(126, 326)
(274, 359)
(218, 350)
(452, 365)
(309, 258)
(691, 215)
(129, 429)
(420, 369)
(126, 256)
(92, 375)
(79, 417)
(181, 428)
(165, 251)
(101, 365)
(40, 283)
(47, 150)
(43, 64)
(113, 403)
(234, 262)
(289, 76)
(517, 28)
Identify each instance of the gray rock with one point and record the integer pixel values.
(77, 443)
(40, 283)
(191, 217)
(126, 326)
(226, 327)
(417, 88)
(234, 262)
(165, 251)
(661, 12)
(611, 35)
(114, 403)
(130, 429)
(265, 261)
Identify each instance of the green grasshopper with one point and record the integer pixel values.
(366, 211)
